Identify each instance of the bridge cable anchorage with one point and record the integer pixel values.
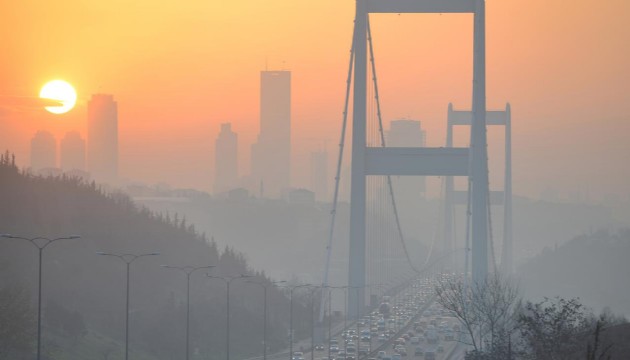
(382, 138)
(333, 212)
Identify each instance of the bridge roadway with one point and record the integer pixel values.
(450, 349)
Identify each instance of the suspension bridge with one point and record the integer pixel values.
(377, 236)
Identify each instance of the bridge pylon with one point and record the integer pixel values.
(454, 197)
(472, 162)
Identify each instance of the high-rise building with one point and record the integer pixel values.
(271, 154)
(102, 149)
(226, 160)
(43, 151)
(72, 151)
(408, 133)
(319, 175)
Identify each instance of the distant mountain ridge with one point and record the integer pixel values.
(594, 267)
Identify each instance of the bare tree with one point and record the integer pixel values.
(456, 297)
(486, 310)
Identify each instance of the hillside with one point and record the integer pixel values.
(92, 288)
(593, 267)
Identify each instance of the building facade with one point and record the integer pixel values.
(226, 160)
(319, 175)
(43, 151)
(271, 154)
(72, 152)
(102, 149)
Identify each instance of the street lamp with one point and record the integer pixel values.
(264, 286)
(40, 243)
(228, 280)
(127, 259)
(292, 288)
(188, 270)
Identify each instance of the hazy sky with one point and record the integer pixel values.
(179, 69)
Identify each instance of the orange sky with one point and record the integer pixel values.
(178, 69)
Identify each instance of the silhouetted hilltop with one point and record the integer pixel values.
(91, 288)
(593, 267)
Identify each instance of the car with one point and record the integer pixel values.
(429, 355)
(396, 357)
(440, 349)
(418, 351)
(415, 340)
(319, 347)
(381, 354)
(334, 348)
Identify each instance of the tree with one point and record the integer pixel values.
(487, 312)
(555, 329)
(17, 323)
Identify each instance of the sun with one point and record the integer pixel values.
(61, 91)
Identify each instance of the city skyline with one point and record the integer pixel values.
(172, 107)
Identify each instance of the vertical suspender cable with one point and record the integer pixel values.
(382, 135)
(333, 212)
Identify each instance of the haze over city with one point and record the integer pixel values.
(333, 180)
(562, 69)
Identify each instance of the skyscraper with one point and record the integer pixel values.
(43, 151)
(226, 160)
(408, 133)
(102, 154)
(72, 151)
(271, 154)
(319, 175)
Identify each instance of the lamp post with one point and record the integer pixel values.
(313, 322)
(330, 289)
(40, 243)
(188, 270)
(227, 281)
(292, 288)
(265, 286)
(127, 259)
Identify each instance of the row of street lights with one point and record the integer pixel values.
(41, 243)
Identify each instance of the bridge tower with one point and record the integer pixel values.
(454, 197)
(472, 162)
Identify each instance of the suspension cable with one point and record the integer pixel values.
(382, 135)
(333, 212)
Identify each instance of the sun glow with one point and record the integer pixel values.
(61, 91)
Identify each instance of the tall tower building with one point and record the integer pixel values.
(102, 154)
(271, 154)
(72, 151)
(226, 160)
(319, 175)
(43, 151)
(408, 133)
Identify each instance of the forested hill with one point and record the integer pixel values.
(78, 281)
(593, 267)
